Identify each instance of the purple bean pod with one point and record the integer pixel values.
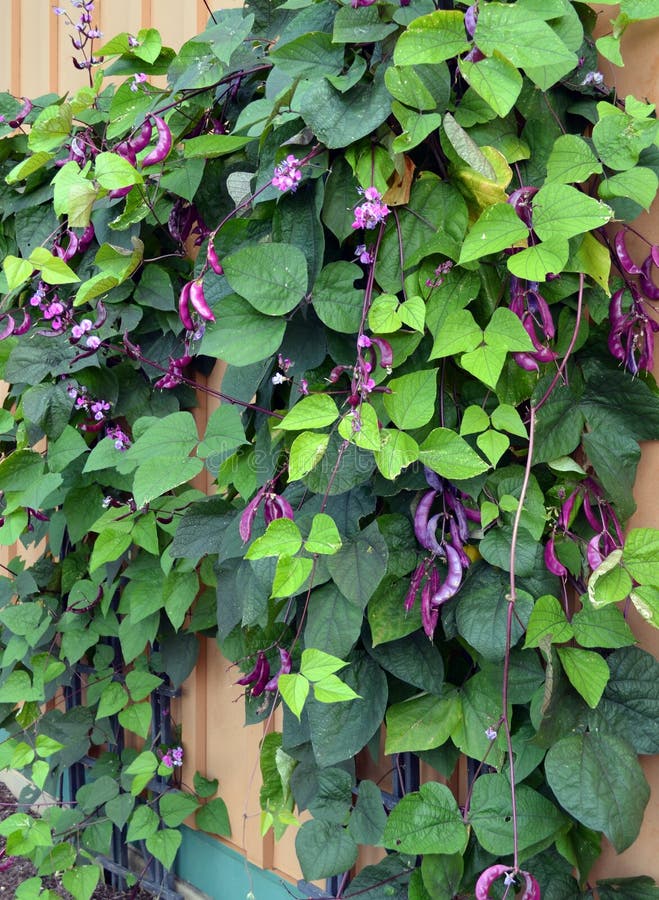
(648, 286)
(184, 307)
(615, 345)
(429, 614)
(617, 316)
(117, 193)
(474, 55)
(213, 260)
(593, 553)
(433, 479)
(22, 114)
(531, 887)
(432, 543)
(198, 301)
(258, 677)
(25, 324)
(526, 362)
(538, 306)
(470, 20)
(71, 248)
(86, 238)
(627, 264)
(456, 542)
(142, 140)
(415, 584)
(487, 879)
(459, 513)
(79, 610)
(249, 514)
(101, 314)
(595, 523)
(286, 664)
(473, 515)
(646, 358)
(163, 144)
(386, 352)
(276, 507)
(566, 511)
(8, 328)
(451, 584)
(126, 151)
(552, 562)
(421, 516)
(654, 253)
(520, 200)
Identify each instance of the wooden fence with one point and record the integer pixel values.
(35, 57)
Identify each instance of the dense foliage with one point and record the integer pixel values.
(389, 220)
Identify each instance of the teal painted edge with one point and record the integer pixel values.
(223, 874)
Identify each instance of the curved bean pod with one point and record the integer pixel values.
(553, 563)
(25, 324)
(648, 286)
(421, 516)
(626, 262)
(248, 516)
(142, 140)
(451, 585)
(198, 301)
(163, 144)
(415, 584)
(184, 307)
(213, 260)
(22, 113)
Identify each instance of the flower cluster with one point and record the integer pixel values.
(287, 174)
(96, 409)
(85, 32)
(372, 211)
(173, 757)
(441, 270)
(121, 440)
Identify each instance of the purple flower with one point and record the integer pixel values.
(138, 78)
(363, 341)
(287, 174)
(93, 342)
(167, 761)
(363, 254)
(372, 211)
(58, 10)
(120, 438)
(177, 756)
(133, 42)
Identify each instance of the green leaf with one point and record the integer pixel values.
(324, 849)
(204, 787)
(361, 427)
(290, 574)
(113, 699)
(143, 822)
(224, 432)
(562, 211)
(442, 874)
(338, 119)
(119, 809)
(113, 171)
(332, 690)
(241, 335)
(496, 80)
(136, 718)
(96, 793)
(311, 55)
(426, 821)
(16, 271)
(211, 146)
(638, 184)
(397, 451)
(431, 39)
(81, 881)
(498, 228)
(421, 723)
(336, 301)
(294, 690)
(506, 418)
(482, 610)
(538, 820)
(411, 403)
(360, 564)
(306, 452)
(53, 269)
(314, 411)
(450, 456)
(46, 746)
(630, 704)
(547, 621)
(458, 333)
(571, 160)
(368, 817)
(383, 317)
(587, 672)
(51, 128)
(492, 445)
(604, 627)
(282, 538)
(272, 277)
(540, 260)
(527, 41)
(619, 138)
(164, 845)
(214, 818)
(324, 536)
(640, 554)
(474, 420)
(316, 664)
(597, 778)
(176, 806)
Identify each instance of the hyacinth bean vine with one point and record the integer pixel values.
(403, 227)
